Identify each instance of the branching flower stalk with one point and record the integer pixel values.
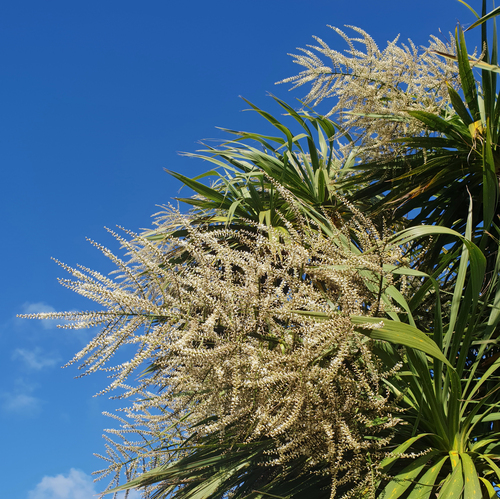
(224, 319)
(373, 89)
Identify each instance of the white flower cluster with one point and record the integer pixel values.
(368, 84)
(246, 328)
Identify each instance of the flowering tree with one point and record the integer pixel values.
(298, 334)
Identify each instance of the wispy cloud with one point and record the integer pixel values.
(75, 485)
(35, 359)
(20, 401)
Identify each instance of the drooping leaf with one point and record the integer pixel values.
(400, 334)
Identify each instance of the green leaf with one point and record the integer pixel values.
(453, 486)
(466, 75)
(490, 182)
(200, 188)
(459, 106)
(493, 466)
(427, 483)
(433, 121)
(490, 15)
(472, 488)
(483, 379)
(396, 295)
(489, 488)
(480, 444)
(494, 68)
(470, 8)
(477, 259)
(273, 121)
(408, 477)
(399, 334)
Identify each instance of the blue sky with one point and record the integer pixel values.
(97, 98)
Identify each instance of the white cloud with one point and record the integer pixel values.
(20, 401)
(75, 485)
(35, 359)
(41, 308)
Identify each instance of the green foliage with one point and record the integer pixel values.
(258, 184)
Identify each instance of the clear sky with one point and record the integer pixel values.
(97, 98)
